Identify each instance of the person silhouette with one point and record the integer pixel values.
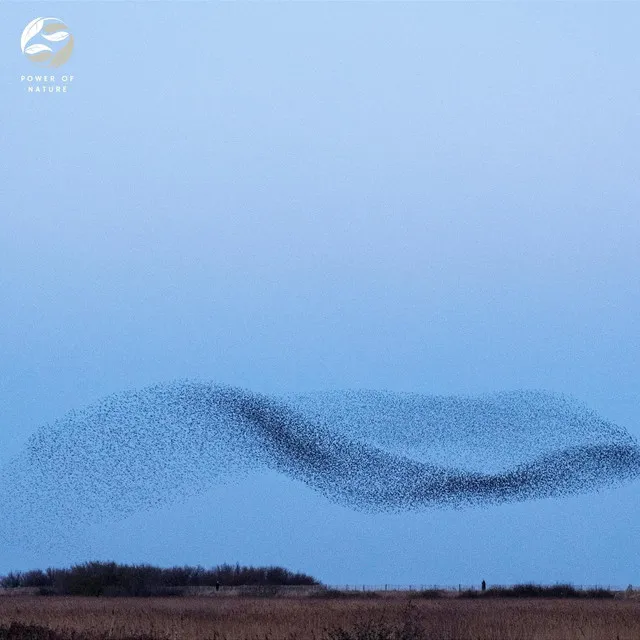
(484, 585)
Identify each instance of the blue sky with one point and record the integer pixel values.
(431, 197)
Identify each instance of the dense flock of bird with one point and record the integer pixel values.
(373, 451)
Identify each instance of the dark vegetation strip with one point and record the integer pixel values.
(112, 579)
(515, 591)
(539, 591)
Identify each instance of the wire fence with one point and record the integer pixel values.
(459, 587)
(418, 589)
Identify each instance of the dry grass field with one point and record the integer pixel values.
(396, 618)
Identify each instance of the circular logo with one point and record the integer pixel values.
(47, 41)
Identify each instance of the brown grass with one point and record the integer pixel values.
(290, 618)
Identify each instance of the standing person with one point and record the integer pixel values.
(484, 585)
(217, 585)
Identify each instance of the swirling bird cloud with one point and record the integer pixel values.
(374, 451)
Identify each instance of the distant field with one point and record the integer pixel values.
(314, 618)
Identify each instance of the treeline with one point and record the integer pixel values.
(110, 578)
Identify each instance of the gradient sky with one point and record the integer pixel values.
(431, 197)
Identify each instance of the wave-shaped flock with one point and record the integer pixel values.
(376, 451)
